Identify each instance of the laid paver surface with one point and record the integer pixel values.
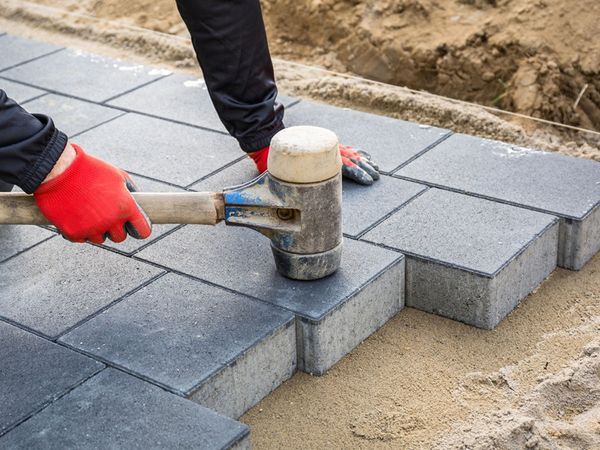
(35, 372)
(470, 259)
(180, 332)
(87, 76)
(19, 92)
(180, 98)
(549, 182)
(115, 410)
(70, 115)
(17, 50)
(199, 314)
(390, 142)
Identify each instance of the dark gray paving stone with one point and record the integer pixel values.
(117, 411)
(16, 238)
(159, 149)
(236, 174)
(390, 142)
(178, 97)
(130, 246)
(16, 50)
(84, 75)
(33, 372)
(70, 115)
(56, 284)
(185, 335)
(560, 185)
(19, 92)
(335, 314)
(468, 258)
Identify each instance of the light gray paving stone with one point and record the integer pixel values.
(130, 245)
(117, 411)
(16, 50)
(70, 115)
(236, 174)
(224, 350)
(390, 142)
(84, 75)
(16, 238)
(56, 284)
(159, 149)
(19, 92)
(469, 259)
(33, 372)
(361, 296)
(178, 97)
(560, 185)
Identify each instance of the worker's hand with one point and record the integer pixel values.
(357, 165)
(90, 200)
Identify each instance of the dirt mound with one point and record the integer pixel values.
(561, 412)
(540, 58)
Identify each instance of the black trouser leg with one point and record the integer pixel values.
(231, 45)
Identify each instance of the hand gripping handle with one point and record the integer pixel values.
(205, 208)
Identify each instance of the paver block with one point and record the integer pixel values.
(19, 92)
(334, 314)
(90, 77)
(181, 98)
(33, 372)
(117, 411)
(70, 115)
(390, 142)
(56, 284)
(548, 182)
(130, 245)
(159, 149)
(222, 349)
(234, 175)
(17, 238)
(15, 50)
(469, 259)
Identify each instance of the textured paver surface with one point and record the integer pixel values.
(121, 345)
(566, 187)
(463, 251)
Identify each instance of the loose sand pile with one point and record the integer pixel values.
(530, 56)
(422, 381)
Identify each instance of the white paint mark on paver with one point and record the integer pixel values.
(195, 83)
(160, 72)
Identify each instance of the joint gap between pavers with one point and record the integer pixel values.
(166, 119)
(394, 211)
(220, 169)
(33, 59)
(294, 103)
(492, 199)
(28, 248)
(128, 91)
(231, 362)
(148, 177)
(97, 125)
(210, 283)
(54, 399)
(27, 329)
(433, 260)
(104, 308)
(422, 152)
(162, 236)
(315, 321)
(555, 222)
(123, 369)
(34, 98)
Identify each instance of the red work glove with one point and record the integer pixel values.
(90, 201)
(357, 165)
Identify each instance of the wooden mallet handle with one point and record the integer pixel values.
(205, 208)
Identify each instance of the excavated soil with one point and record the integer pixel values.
(530, 56)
